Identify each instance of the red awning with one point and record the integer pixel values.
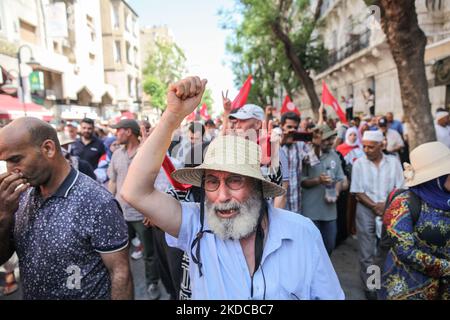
(11, 108)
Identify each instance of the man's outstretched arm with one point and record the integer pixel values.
(138, 189)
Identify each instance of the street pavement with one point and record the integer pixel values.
(345, 262)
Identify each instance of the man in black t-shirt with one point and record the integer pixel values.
(88, 147)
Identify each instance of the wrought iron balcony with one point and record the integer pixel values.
(357, 43)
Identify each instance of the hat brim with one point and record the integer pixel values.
(328, 135)
(442, 168)
(194, 176)
(241, 117)
(65, 142)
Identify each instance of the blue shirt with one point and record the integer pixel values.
(295, 264)
(61, 237)
(91, 152)
(397, 125)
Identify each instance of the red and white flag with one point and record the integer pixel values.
(168, 169)
(288, 106)
(191, 117)
(241, 98)
(204, 112)
(327, 98)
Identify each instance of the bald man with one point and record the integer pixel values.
(68, 232)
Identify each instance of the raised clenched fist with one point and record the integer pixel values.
(184, 96)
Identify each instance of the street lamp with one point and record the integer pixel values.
(32, 63)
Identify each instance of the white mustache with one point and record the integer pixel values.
(232, 205)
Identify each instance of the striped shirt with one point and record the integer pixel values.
(376, 182)
(295, 152)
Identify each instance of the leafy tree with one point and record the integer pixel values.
(276, 43)
(207, 98)
(407, 43)
(157, 91)
(165, 64)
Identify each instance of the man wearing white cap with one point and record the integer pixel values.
(373, 177)
(248, 121)
(442, 127)
(240, 246)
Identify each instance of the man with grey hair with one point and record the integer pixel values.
(243, 247)
(374, 176)
(67, 230)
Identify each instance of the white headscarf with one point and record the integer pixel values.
(347, 137)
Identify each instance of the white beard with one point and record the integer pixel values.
(240, 226)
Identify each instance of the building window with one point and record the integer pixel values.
(91, 58)
(130, 86)
(134, 26)
(137, 94)
(56, 47)
(115, 21)
(127, 23)
(27, 32)
(91, 26)
(117, 52)
(128, 51)
(136, 57)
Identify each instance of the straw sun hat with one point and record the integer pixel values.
(230, 154)
(428, 161)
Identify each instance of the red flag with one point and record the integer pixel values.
(168, 169)
(327, 98)
(241, 98)
(289, 106)
(204, 112)
(191, 117)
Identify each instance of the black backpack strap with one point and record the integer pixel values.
(415, 205)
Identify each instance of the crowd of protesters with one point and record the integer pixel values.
(75, 198)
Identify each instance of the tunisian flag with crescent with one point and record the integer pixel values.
(241, 98)
(288, 106)
(327, 98)
(204, 112)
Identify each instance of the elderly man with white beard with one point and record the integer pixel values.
(240, 246)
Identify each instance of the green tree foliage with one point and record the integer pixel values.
(157, 91)
(207, 98)
(256, 49)
(165, 65)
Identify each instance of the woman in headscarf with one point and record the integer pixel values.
(418, 264)
(351, 148)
